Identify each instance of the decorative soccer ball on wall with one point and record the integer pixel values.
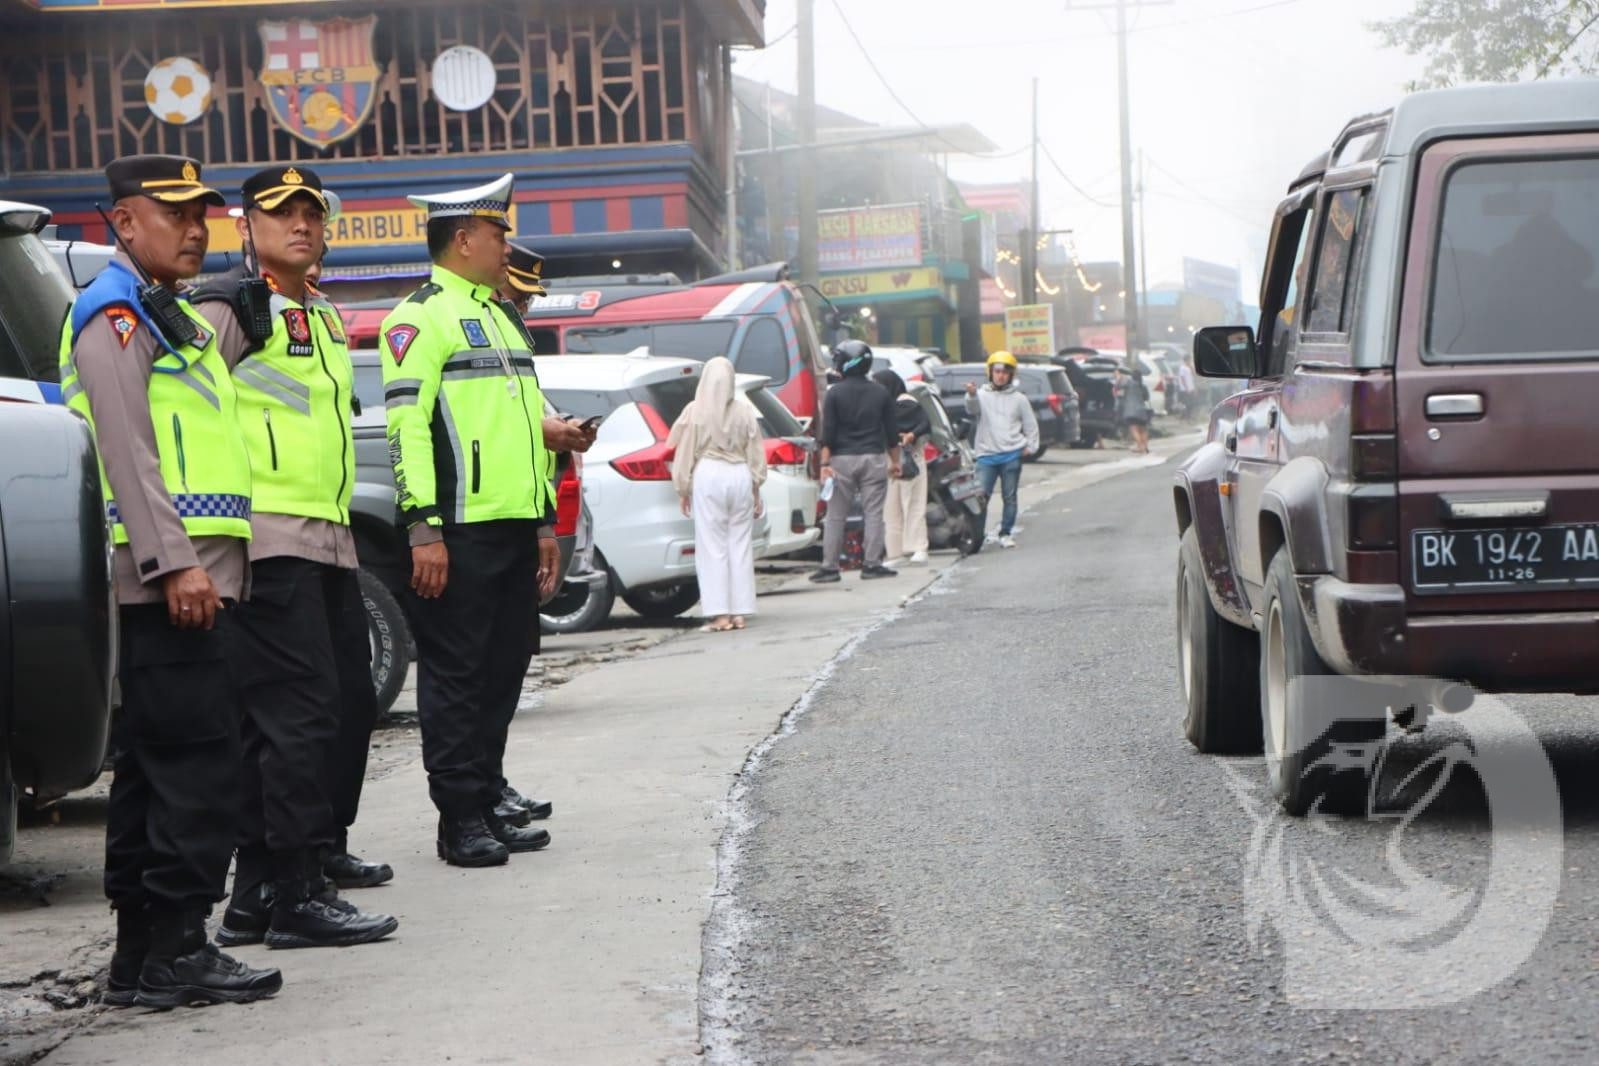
(178, 90)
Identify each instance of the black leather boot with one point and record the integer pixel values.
(250, 907)
(514, 839)
(536, 809)
(184, 969)
(352, 871)
(466, 841)
(309, 914)
(133, 943)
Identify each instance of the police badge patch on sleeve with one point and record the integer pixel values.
(400, 339)
(124, 322)
(298, 324)
(475, 336)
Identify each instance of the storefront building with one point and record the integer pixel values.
(612, 115)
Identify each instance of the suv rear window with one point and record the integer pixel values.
(775, 419)
(687, 340)
(670, 397)
(1516, 263)
(34, 297)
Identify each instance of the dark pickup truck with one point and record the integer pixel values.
(1407, 481)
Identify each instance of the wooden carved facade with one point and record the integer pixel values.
(578, 75)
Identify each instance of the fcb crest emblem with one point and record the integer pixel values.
(320, 77)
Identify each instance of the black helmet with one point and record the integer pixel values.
(852, 358)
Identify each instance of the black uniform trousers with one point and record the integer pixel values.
(474, 644)
(173, 813)
(291, 640)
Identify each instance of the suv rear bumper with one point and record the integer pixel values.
(1366, 629)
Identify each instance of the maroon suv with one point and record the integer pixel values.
(1408, 481)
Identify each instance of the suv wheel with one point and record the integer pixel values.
(1219, 664)
(578, 607)
(663, 602)
(1318, 757)
(391, 639)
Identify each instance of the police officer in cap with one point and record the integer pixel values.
(471, 474)
(302, 654)
(143, 367)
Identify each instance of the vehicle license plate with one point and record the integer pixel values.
(1488, 560)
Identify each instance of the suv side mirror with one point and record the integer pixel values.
(1226, 352)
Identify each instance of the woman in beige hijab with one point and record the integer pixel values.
(718, 468)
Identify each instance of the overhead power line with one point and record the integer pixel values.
(1078, 189)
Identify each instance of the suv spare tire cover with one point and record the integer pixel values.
(55, 562)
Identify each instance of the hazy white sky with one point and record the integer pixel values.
(1230, 98)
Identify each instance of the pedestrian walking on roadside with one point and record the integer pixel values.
(905, 513)
(718, 468)
(1007, 432)
(472, 487)
(1133, 407)
(860, 451)
(302, 653)
(175, 472)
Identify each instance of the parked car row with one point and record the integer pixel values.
(1055, 401)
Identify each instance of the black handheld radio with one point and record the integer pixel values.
(159, 302)
(252, 300)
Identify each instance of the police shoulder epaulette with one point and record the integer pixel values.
(425, 293)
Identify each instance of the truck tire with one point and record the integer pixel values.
(391, 640)
(1318, 757)
(1218, 663)
(663, 602)
(577, 608)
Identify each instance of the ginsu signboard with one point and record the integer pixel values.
(320, 77)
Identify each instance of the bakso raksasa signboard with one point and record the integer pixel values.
(866, 238)
(1030, 329)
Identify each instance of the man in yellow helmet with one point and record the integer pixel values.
(143, 368)
(1007, 431)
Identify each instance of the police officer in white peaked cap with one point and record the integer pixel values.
(469, 455)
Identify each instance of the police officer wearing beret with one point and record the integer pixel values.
(302, 657)
(143, 367)
(471, 475)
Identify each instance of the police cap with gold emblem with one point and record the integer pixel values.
(491, 201)
(172, 179)
(526, 272)
(269, 189)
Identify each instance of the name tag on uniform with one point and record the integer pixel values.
(475, 335)
(298, 325)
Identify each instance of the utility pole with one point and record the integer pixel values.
(806, 188)
(1130, 300)
(731, 132)
(1143, 244)
(1029, 249)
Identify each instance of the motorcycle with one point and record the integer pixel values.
(954, 496)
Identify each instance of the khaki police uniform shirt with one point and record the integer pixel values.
(276, 535)
(116, 380)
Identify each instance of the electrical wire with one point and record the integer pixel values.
(1078, 189)
(1202, 197)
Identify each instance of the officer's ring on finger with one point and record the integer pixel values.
(183, 610)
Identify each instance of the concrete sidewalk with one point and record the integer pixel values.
(589, 952)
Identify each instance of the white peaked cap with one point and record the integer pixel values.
(491, 201)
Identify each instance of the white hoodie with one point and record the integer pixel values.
(1005, 420)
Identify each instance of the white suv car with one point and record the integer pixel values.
(640, 534)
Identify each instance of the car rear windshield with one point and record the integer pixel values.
(687, 340)
(34, 297)
(1517, 273)
(775, 419)
(670, 397)
(585, 403)
(369, 385)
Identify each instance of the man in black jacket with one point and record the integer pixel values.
(860, 451)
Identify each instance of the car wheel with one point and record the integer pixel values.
(1318, 755)
(578, 607)
(391, 640)
(1219, 665)
(1043, 449)
(1086, 439)
(663, 602)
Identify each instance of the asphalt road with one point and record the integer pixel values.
(986, 840)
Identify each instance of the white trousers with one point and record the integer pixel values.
(724, 523)
(905, 516)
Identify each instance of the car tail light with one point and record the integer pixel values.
(1160, 384)
(648, 464)
(780, 452)
(1057, 403)
(1374, 457)
(930, 452)
(568, 500)
(1373, 518)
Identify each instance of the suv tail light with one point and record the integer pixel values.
(1374, 457)
(780, 452)
(1373, 518)
(1057, 403)
(930, 452)
(569, 498)
(1160, 384)
(648, 464)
